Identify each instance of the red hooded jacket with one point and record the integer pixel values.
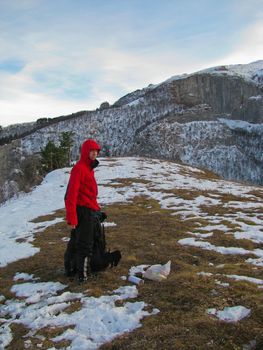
(82, 186)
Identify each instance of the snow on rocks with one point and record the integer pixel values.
(231, 313)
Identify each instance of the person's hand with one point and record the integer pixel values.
(72, 226)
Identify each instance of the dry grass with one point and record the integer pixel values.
(147, 234)
(119, 183)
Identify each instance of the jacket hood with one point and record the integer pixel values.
(86, 147)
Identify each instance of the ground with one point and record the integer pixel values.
(147, 233)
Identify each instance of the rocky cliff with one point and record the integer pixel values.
(209, 119)
(17, 171)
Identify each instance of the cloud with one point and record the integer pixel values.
(58, 60)
(247, 48)
(83, 81)
(30, 107)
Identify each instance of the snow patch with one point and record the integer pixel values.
(24, 276)
(231, 313)
(42, 307)
(246, 278)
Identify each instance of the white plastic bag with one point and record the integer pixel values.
(158, 272)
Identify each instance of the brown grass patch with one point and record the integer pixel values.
(147, 234)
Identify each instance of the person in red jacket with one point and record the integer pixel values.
(81, 206)
(82, 187)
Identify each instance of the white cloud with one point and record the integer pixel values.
(29, 107)
(64, 59)
(23, 99)
(247, 48)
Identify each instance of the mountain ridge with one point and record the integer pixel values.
(181, 119)
(233, 69)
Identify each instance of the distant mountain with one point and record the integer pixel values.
(209, 119)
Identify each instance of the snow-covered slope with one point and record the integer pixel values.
(15, 130)
(41, 304)
(252, 71)
(162, 175)
(230, 148)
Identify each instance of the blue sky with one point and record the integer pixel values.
(61, 56)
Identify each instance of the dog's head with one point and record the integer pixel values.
(115, 257)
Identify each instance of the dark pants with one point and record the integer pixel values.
(81, 241)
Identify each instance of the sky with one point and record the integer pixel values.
(59, 57)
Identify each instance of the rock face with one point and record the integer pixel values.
(17, 172)
(209, 119)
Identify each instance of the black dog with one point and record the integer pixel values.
(114, 258)
(99, 262)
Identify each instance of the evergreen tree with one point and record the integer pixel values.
(49, 156)
(54, 157)
(66, 143)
